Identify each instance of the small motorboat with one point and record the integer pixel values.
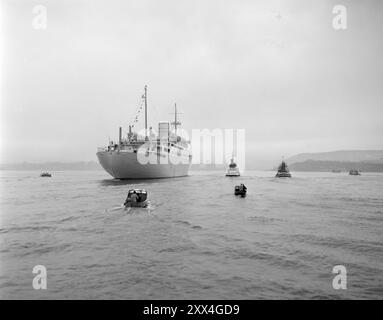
(354, 172)
(240, 190)
(233, 170)
(283, 171)
(45, 174)
(136, 198)
(336, 171)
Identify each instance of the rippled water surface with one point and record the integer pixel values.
(196, 240)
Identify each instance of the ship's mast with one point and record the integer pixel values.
(146, 112)
(176, 122)
(175, 118)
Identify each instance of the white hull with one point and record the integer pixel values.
(124, 165)
(232, 170)
(233, 173)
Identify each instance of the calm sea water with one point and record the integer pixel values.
(196, 240)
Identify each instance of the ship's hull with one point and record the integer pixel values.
(124, 165)
(233, 173)
(283, 175)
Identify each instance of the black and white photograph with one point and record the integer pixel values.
(179, 150)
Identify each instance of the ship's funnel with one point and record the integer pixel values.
(163, 131)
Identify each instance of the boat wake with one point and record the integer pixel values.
(149, 208)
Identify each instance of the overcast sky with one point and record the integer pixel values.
(275, 68)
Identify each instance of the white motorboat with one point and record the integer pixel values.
(233, 170)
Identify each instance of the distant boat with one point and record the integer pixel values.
(354, 172)
(233, 170)
(336, 170)
(240, 190)
(283, 171)
(45, 174)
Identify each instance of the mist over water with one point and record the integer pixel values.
(196, 240)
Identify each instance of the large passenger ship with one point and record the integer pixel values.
(153, 155)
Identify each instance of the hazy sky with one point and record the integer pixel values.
(275, 68)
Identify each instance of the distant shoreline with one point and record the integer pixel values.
(52, 166)
(343, 160)
(329, 166)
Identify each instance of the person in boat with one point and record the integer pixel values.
(136, 198)
(240, 190)
(132, 199)
(127, 201)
